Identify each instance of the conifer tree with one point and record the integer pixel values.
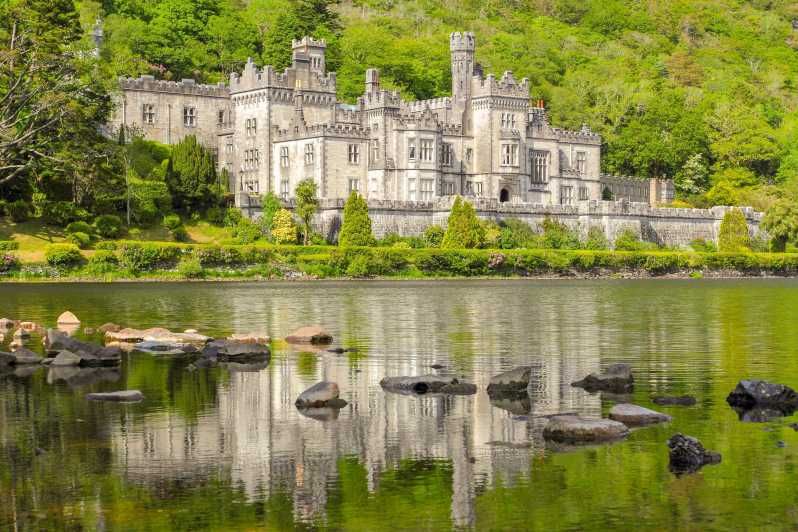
(733, 235)
(191, 175)
(463, 229)
(356, 228)
(306, 204)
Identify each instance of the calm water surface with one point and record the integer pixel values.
(225, 449)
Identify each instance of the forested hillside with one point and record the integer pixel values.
(703, 91)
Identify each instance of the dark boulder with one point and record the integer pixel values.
(56, 341)
(105, 357)
(670, 400)
(7, 359)
(688, 455)
(750, 394)
(512, 383)
(236, 351)
(321, 394)
(24, 356)
(617, 378)
(635, 416)
(427, 384)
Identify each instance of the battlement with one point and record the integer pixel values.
(453, 129)
(420, 105)
(381, 98)
(253, 78)
(462, 42)
(185, 86)
(507, 86)
(348, 116)
(584, 135)
(308, 42)
(325, 130)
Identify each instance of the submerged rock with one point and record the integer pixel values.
(428, 384)
(23, 356)
(7, 324)
(6, 359)
(617, 378)
(156, 334)
(750, 394)
(76, 376)
(578, 429)
(164, 348)
(688, 455)
(325, 413)
(674, 400)
(513, 382)
(321, 394)
(109, 327)
(634, 415)
(235, 351)
(66, 358)
(251, 338)
(309, 335)
(104, 357)
(124, 396)
(519, 406)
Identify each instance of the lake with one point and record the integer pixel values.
(225, 449)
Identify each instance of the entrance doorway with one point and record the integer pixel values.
(504, 195)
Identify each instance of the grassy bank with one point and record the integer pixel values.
(127, 260)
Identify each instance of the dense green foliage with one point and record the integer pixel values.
(356, 227)
(283, 228)
(306, 205)
(781, 223)
(191, 175)
(463, 229)
(733, 236)
(62, 255)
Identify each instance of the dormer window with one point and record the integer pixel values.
(148, 113)
(189, 116)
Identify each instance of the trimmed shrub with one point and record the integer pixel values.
(190, 268)
(63, 255)
(108, 225)
(63, 213)
(19, 211)
(433, 236)
(8, 245)
(519, 234)
(463, 229)
(174, 225)
(215, 215)
(82, 240)
(557, 235)
(8, 262)
(596, 239)
(628, 240)
(356, 227)
(79, 227)
(148, 256)
(105, 245)
(232, 216)
(148, 200)
(703, 246)
(733, 235)
(247, 231)
(283, 227)
(103, 261)
(492, 234)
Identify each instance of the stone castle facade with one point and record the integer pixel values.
(270, 130)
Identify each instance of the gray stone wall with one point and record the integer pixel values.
(665, 226)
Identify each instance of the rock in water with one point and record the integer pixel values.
(156, 334)
(309, 335)
(7, 324)
(125, 396)
(233, 351)
(24, 356)
(513, 382)
(634, 415)
(688, 455)
(67, 318)
(578, 429)
(617, 378)
(427, 384)
(6, 359)
(109, 327)
(66, 358)
(321, 394)
(251, 338)
(755, 393)
(681, 400)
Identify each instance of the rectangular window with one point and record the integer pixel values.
(375, 150)
(427, 189)
(411, 152)
(447, 154)
(228, 147)
(508, 121)
(581, 162)
(426, 150)
(284, 189)
(189, 116)
(354, 185)
(474, 187)
(220, 118)
(566, 195)
(411, 189)
(148, 113)
(251, 126)
(584, 193)
(509, 154)
(309, 154)
(448, 189)
(539, 161)
(354, 154)
(284, 162)
(469, 154)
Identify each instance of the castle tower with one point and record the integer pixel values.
(372, 80)
(311, 51)
(462, 46)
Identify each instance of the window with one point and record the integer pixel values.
(220, 118)
(411, 152)
(474, 187)
(581, 162)
(189, 116)
(375, 150)
(508, 121)
(426, 150)
(540, 166)
(228, 147)
(448, 189)
(584, 193)
(427, 189)
(469, 154)
(251, 159)
(354, 185)
(411, 189)
(148, 113)
(509, 154)
(447, 154)
(308, 154)
(354, 154)
(284, 189)
(251, 126)
(284, 162)
(566, 195)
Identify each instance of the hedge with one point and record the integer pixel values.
(9, 245)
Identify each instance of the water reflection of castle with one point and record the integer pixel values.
(265, 445)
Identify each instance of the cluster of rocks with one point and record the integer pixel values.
(761, 401)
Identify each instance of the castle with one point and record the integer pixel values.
(271, 130)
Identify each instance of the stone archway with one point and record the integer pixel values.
(504, 195)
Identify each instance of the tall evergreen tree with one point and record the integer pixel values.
(191, 175)
(306, 205)
(356, 228)
(463, 229)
